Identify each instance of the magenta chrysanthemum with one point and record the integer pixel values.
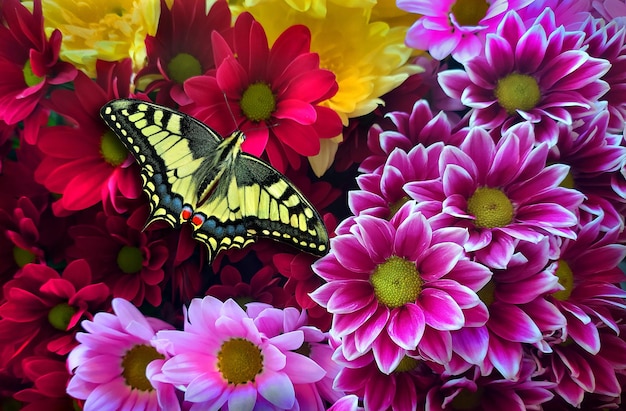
(389, 283)
(501, 192)
(539, 74)
(114, 365)
(224, 357)
(455, 27)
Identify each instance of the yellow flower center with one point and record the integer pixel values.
(491, 207)
(469, 12)
(258, 102)
(130, 259)
(406, 364)
(134, 365)
(182, 67)
(566, 279)
(568, 182)
(30, 78)
(60, 315)
(468, 400)
(112, 149)
(486, 294)
(22, 257)
(239, 361)
(396, 282)
(394, 207)
(517, 92)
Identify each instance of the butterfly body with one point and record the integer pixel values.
(191, 174)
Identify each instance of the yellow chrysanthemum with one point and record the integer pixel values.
(107, 30)
(368, 58)
(388, 11)
(315, 8)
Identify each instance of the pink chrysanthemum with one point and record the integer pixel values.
(179, 49)
(128, 260)
(224, 357)
(539, 75)
(455, 27)
(274, 93)
(390, 283)
(501, 192)
(29, 64)
(84, 160)
(115, 364)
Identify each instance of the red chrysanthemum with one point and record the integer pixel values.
(42, 310)
(29, 63)
(49, 378)
(84, 161)
(274, 94)
(128, 260)
(179, 50)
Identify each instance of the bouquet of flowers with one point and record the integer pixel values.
(467, 158)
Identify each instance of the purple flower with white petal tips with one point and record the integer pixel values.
(501, 193)
(539, 75)
(390, 284)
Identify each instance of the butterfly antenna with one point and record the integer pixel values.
(232, 115)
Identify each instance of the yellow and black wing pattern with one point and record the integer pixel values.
(191, 174)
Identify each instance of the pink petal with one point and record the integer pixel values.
(441, 312)
(406, 326)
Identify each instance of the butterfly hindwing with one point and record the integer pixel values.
(170, 147)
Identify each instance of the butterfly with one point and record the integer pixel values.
(191, 174)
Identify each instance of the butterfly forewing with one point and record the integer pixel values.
(231, 197)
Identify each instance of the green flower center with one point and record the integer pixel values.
(394, 207)
(566, 279)
(30, 78)
(60, 315)
(396, 282)
(568, 181)
(491, 207)
(239, 361)
(130, 259)
(112, 149)
(517, 92)
(469, 12)
(134, 365)
(10, 404)
(22, 257)
(183, 66)
(406, 364)
(468, 400)
(258, 102)
(486, 294)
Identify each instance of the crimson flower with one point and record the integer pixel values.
(274, 94)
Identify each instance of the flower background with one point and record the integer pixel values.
(467, 157)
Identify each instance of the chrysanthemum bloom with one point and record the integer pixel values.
(539, 75)
(501, 193)
(403, 389)
(93, 30)
(274, 93)
(569, 14)
(42, 308)
(389, 281)
(84, 159)
(114, 365)
(609, 9)
(408, 130)
(456, 28)
(180, 49)
(262, 287)
(224, 358)
(347, 403)
(578, 372)
(128, 260)
(607, 40)
(471, 391)
(514, 296)
(49, 377)
(369, 58)
(29, 63)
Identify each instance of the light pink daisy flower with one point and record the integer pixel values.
(114, 366)
(501, 193)
(224, 358)
(539, 75)
(391, 284)
(455, 27)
